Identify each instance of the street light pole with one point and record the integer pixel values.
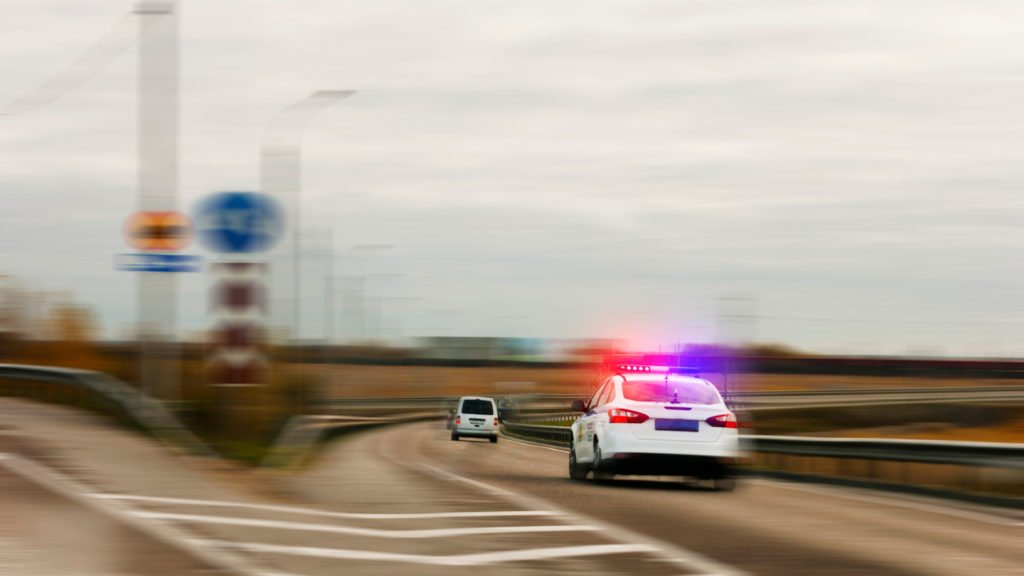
(158, 187)
(281, 171)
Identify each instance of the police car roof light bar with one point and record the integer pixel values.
(657, 369)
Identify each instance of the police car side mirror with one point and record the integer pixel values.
(578, 406)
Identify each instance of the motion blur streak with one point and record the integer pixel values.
(256, 323)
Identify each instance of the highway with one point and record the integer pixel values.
(404, 499)
(766, 527)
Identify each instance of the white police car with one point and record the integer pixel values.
(649, 420)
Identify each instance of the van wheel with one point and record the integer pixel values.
(455, 437)
(494, 439)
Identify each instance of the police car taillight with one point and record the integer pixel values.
(623, 416)
(723, 421)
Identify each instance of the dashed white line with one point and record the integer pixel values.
(371, 532)
(324, 513)
(479, 559)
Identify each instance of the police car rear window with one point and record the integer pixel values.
(477, 407)
(676, 392)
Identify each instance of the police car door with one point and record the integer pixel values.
(585, 431)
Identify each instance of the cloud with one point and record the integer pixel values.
(586, 164)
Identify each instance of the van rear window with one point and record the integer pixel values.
(477, 407)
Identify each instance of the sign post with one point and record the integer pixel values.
(239, 227)
(157, 234)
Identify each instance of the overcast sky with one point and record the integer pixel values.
(572, 168)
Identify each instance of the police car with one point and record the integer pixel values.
(660, 421)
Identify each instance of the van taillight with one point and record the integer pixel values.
(623, 416)
(458, 419)
(723, 421)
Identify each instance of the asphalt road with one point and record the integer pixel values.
(407, 500)
(766, 527)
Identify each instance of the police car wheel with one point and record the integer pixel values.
(599, 474)
(576, 472)
(725, 484)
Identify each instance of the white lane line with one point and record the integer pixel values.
(428, 533)
(905, 502)
(480, 559)
(325, 513)
(687, 559)
(64, 486)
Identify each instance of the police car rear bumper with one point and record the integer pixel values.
(643, 464)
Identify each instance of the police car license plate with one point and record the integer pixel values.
(677, 425)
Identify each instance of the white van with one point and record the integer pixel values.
(475, 416)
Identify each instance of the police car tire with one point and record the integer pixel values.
(576, 472)
(725, 484)
(599, 475)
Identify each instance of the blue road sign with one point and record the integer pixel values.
(155, 262)
(238, 222)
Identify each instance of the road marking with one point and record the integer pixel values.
(325, 513)
(57, 483)
(904, 502)
(375, 533)
(480, 559)
(689, 560)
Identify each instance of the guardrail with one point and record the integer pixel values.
(987, 471)
(561, 435)
(300, 434)
(554, 406)
(982, 454)
(103, 393)
(560, 417)
(990, 454)
(883, 391)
